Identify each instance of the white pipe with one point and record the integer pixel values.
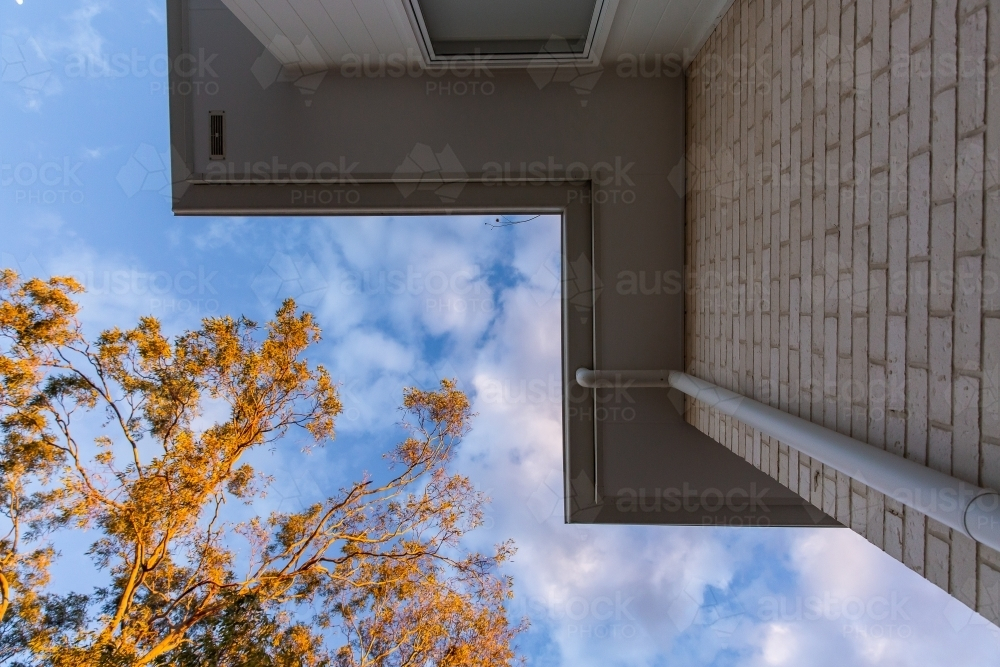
(967, 508)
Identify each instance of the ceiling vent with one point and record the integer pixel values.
(217, 135)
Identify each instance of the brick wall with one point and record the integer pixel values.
(843, 222)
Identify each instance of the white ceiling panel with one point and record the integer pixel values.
(643, 23)
(321, 26)
(675, 27)
(401, 22)
(280, 28)
(380, 26)
(619, 26)
(348, 21)
(370, 27)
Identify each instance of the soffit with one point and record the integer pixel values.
(320, 34)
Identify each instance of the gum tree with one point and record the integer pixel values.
(375, 575)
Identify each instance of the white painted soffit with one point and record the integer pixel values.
(320, 34)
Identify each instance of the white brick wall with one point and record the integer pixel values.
(862, 232)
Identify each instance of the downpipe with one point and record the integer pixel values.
(967, 508)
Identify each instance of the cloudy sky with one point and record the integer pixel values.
(406, 301)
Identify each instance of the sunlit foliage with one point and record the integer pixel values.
(375, 575)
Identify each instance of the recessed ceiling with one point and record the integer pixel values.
(597, 31)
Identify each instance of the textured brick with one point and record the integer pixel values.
(880, 34)
(920, 215)
(859, 511)
(972, 75)
(920, 20)
(989, 593)
(939, 450)
(989, 474)
(968, 314)
(830, 495)
(965, 444)
(845, 414)
(830, 357)
(962, 575)
(916, 308)
(877, 314)
(869, 227)
(993, 103)
(991, 379)
(808, 32)
(991, 260)
(859, 277)
(899, 46)
(938, 555)
(894, 535)
(877, 396)
(879, 234)
(897, 265)
(880, 120)
(898, 141)
(914, 527)
(969, 194)
(920, 100)
(940, 369)
(895, 425)
(945, 43)
(943, 147)
(805, 366)
(862, 182)
(896, 361)
(916, 412)
(942, 257)
(816, 483)
(876, 518)
(843, 486)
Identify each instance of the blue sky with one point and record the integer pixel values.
(405, 301)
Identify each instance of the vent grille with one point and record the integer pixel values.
(217, 135)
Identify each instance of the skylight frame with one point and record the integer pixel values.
(597, 36)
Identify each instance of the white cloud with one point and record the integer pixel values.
(849, 602)
(83, 39)
(780, 645)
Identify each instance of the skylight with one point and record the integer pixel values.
(511, 29)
